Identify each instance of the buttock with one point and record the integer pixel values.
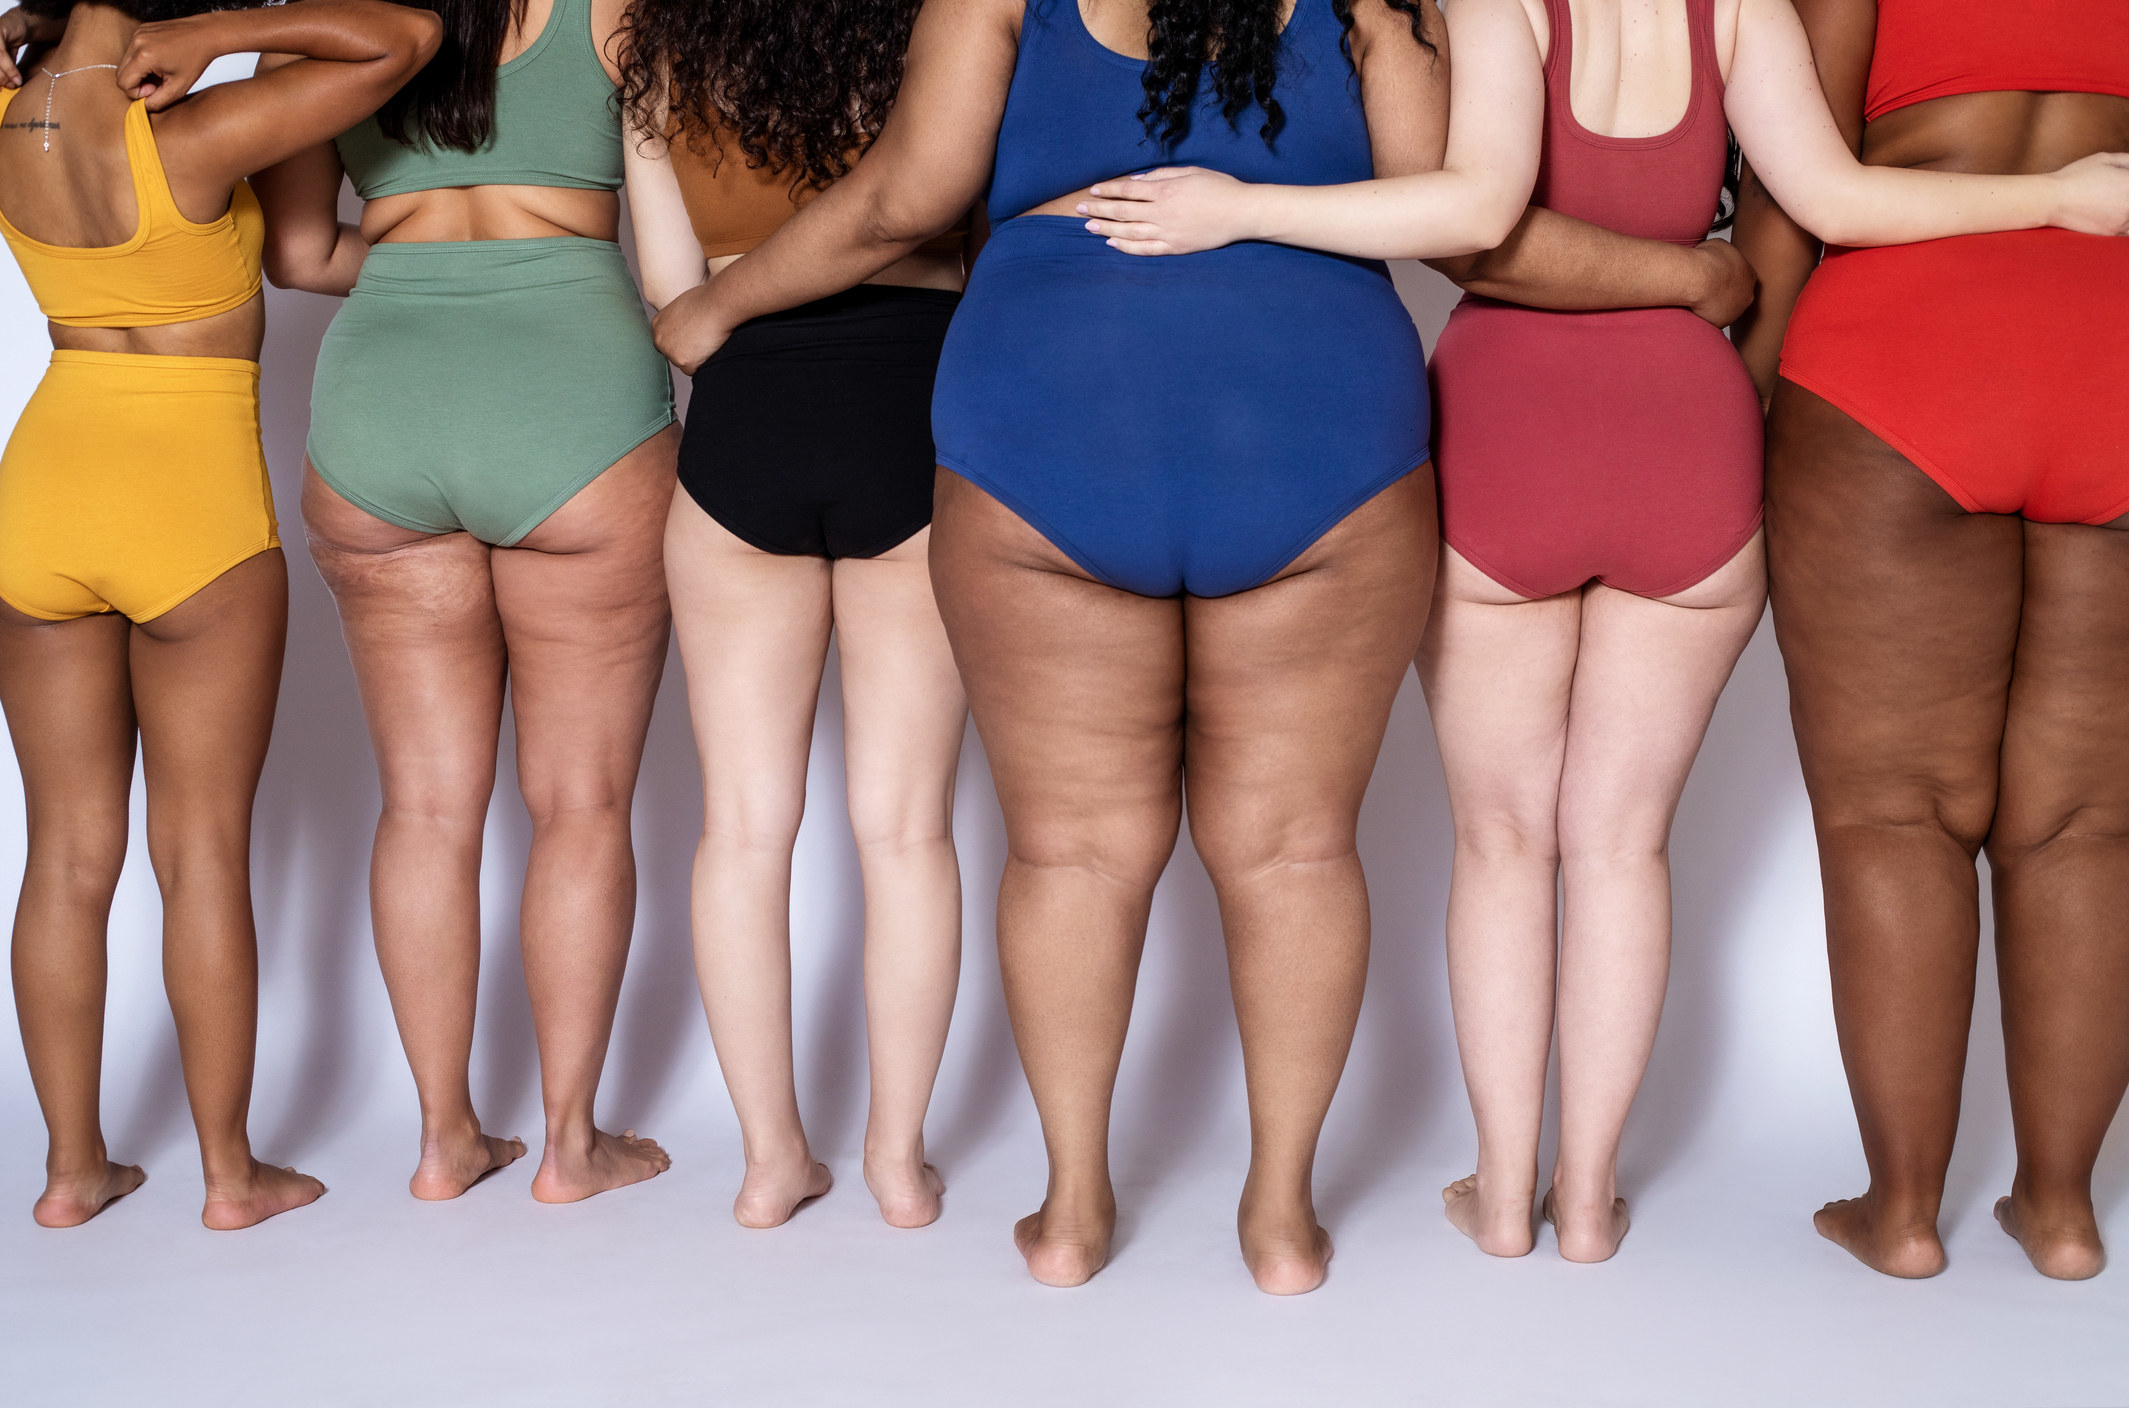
(1622, 447)
(130, 483)
(1995, 363)
(478, 386)
(1183, 424)
(809, 431)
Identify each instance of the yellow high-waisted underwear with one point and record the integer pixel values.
(130, 483)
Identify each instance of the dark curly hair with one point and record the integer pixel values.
(796, 85)
(1238, 40)
(451, 102)
(146, 11)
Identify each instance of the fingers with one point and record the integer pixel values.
(1120, 190)
(1142, 246)
(10, 76)
(1135, 230)
(1113, 209)
(1167, 173)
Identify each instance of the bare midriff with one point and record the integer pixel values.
(1998, 134)
(455, 214)
(237, 333)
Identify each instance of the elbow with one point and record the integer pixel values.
(892, 223)
(424, 35)
(1490, 228)
(288, 269)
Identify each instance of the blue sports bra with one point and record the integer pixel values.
(1071, 117)
(556, 124)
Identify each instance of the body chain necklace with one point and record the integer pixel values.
(52, 87)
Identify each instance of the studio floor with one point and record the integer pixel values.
(1721, 1295)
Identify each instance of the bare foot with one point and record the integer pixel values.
(1500, 1229)
(268, 1192)
(69, 1202)
(1912, 1251)
(1584, 1237)
(1287, 1255)
(1064, 1251)
(2065, 1252)
(907, 1197)
(613, 1161)
(449, 1167)
(769, 1195)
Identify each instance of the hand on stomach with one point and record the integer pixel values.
(455, 214)
(236, 333)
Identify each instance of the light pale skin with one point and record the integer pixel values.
(1088, 698)
(1568, 726)
(194, 687)
(574, 617)
(754, 629)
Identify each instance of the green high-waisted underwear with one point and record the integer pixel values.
(478, 386)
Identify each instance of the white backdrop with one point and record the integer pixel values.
(1721, 1294)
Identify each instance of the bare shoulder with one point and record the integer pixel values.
(1398, 26)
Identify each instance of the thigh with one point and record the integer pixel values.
(1647, 676)
(1290, 684)
(418, 611)
(1897, 613)
(206, 676)
(1498, 670)
(904, 709)
(68, 694)
(1076, 687)
(2066, 748)
(584, 613)
(753, 629)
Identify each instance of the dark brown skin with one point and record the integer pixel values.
(1959, 682)
(195, 686)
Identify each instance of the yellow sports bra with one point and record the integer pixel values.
(171, 271)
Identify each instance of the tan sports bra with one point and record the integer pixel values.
(734, 206)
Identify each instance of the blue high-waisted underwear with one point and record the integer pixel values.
(1185, 423)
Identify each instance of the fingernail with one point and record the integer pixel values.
(1081, 207)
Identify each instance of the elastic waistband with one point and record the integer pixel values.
(149, 361)
(423, 266)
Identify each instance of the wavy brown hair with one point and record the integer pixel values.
(795, 85)
(1238, 42)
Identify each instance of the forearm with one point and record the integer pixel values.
(1433, 215)
(1881, 205)
(334, 31)
(1784, 253)
(1550, 260)
(838, 241)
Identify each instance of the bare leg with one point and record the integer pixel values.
(205, 679)
(904, 713)
(1499, 671)
(2060, 857)
(1646, 680)
(583, 606)
(1077, 689)
(419, 615)
(69, 700)
(1289, 688)
(1898, 616)
(753, 632)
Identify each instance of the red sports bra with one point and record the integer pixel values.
(1935, 48)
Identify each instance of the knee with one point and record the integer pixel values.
(587, 804)
(210, 847)
(752, 821)
(1506, 837)
(452, 811)
(80, 855)
(1127, 851)
(2023, 839)
(888, 823)
(1238, 849)
(1924, 810)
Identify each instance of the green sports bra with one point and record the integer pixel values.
(556, 124)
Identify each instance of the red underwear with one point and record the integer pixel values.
(1997, 364)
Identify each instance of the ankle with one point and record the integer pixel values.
(896, 1151)
(784, 1151)
(446, 1130)
(76, 1162)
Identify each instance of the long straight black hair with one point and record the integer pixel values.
(451, 102)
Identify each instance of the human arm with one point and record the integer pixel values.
(928, 166)
(19, 29)
(669, 260)
(1842, 34)
(1555, 261)
(350, 56)
(1469, 203)
(1804, 160)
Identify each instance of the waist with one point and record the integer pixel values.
(1997, 133)
(491, 212)
(228, 372)
(235, 332)
(1067, 238)
(424, 268)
